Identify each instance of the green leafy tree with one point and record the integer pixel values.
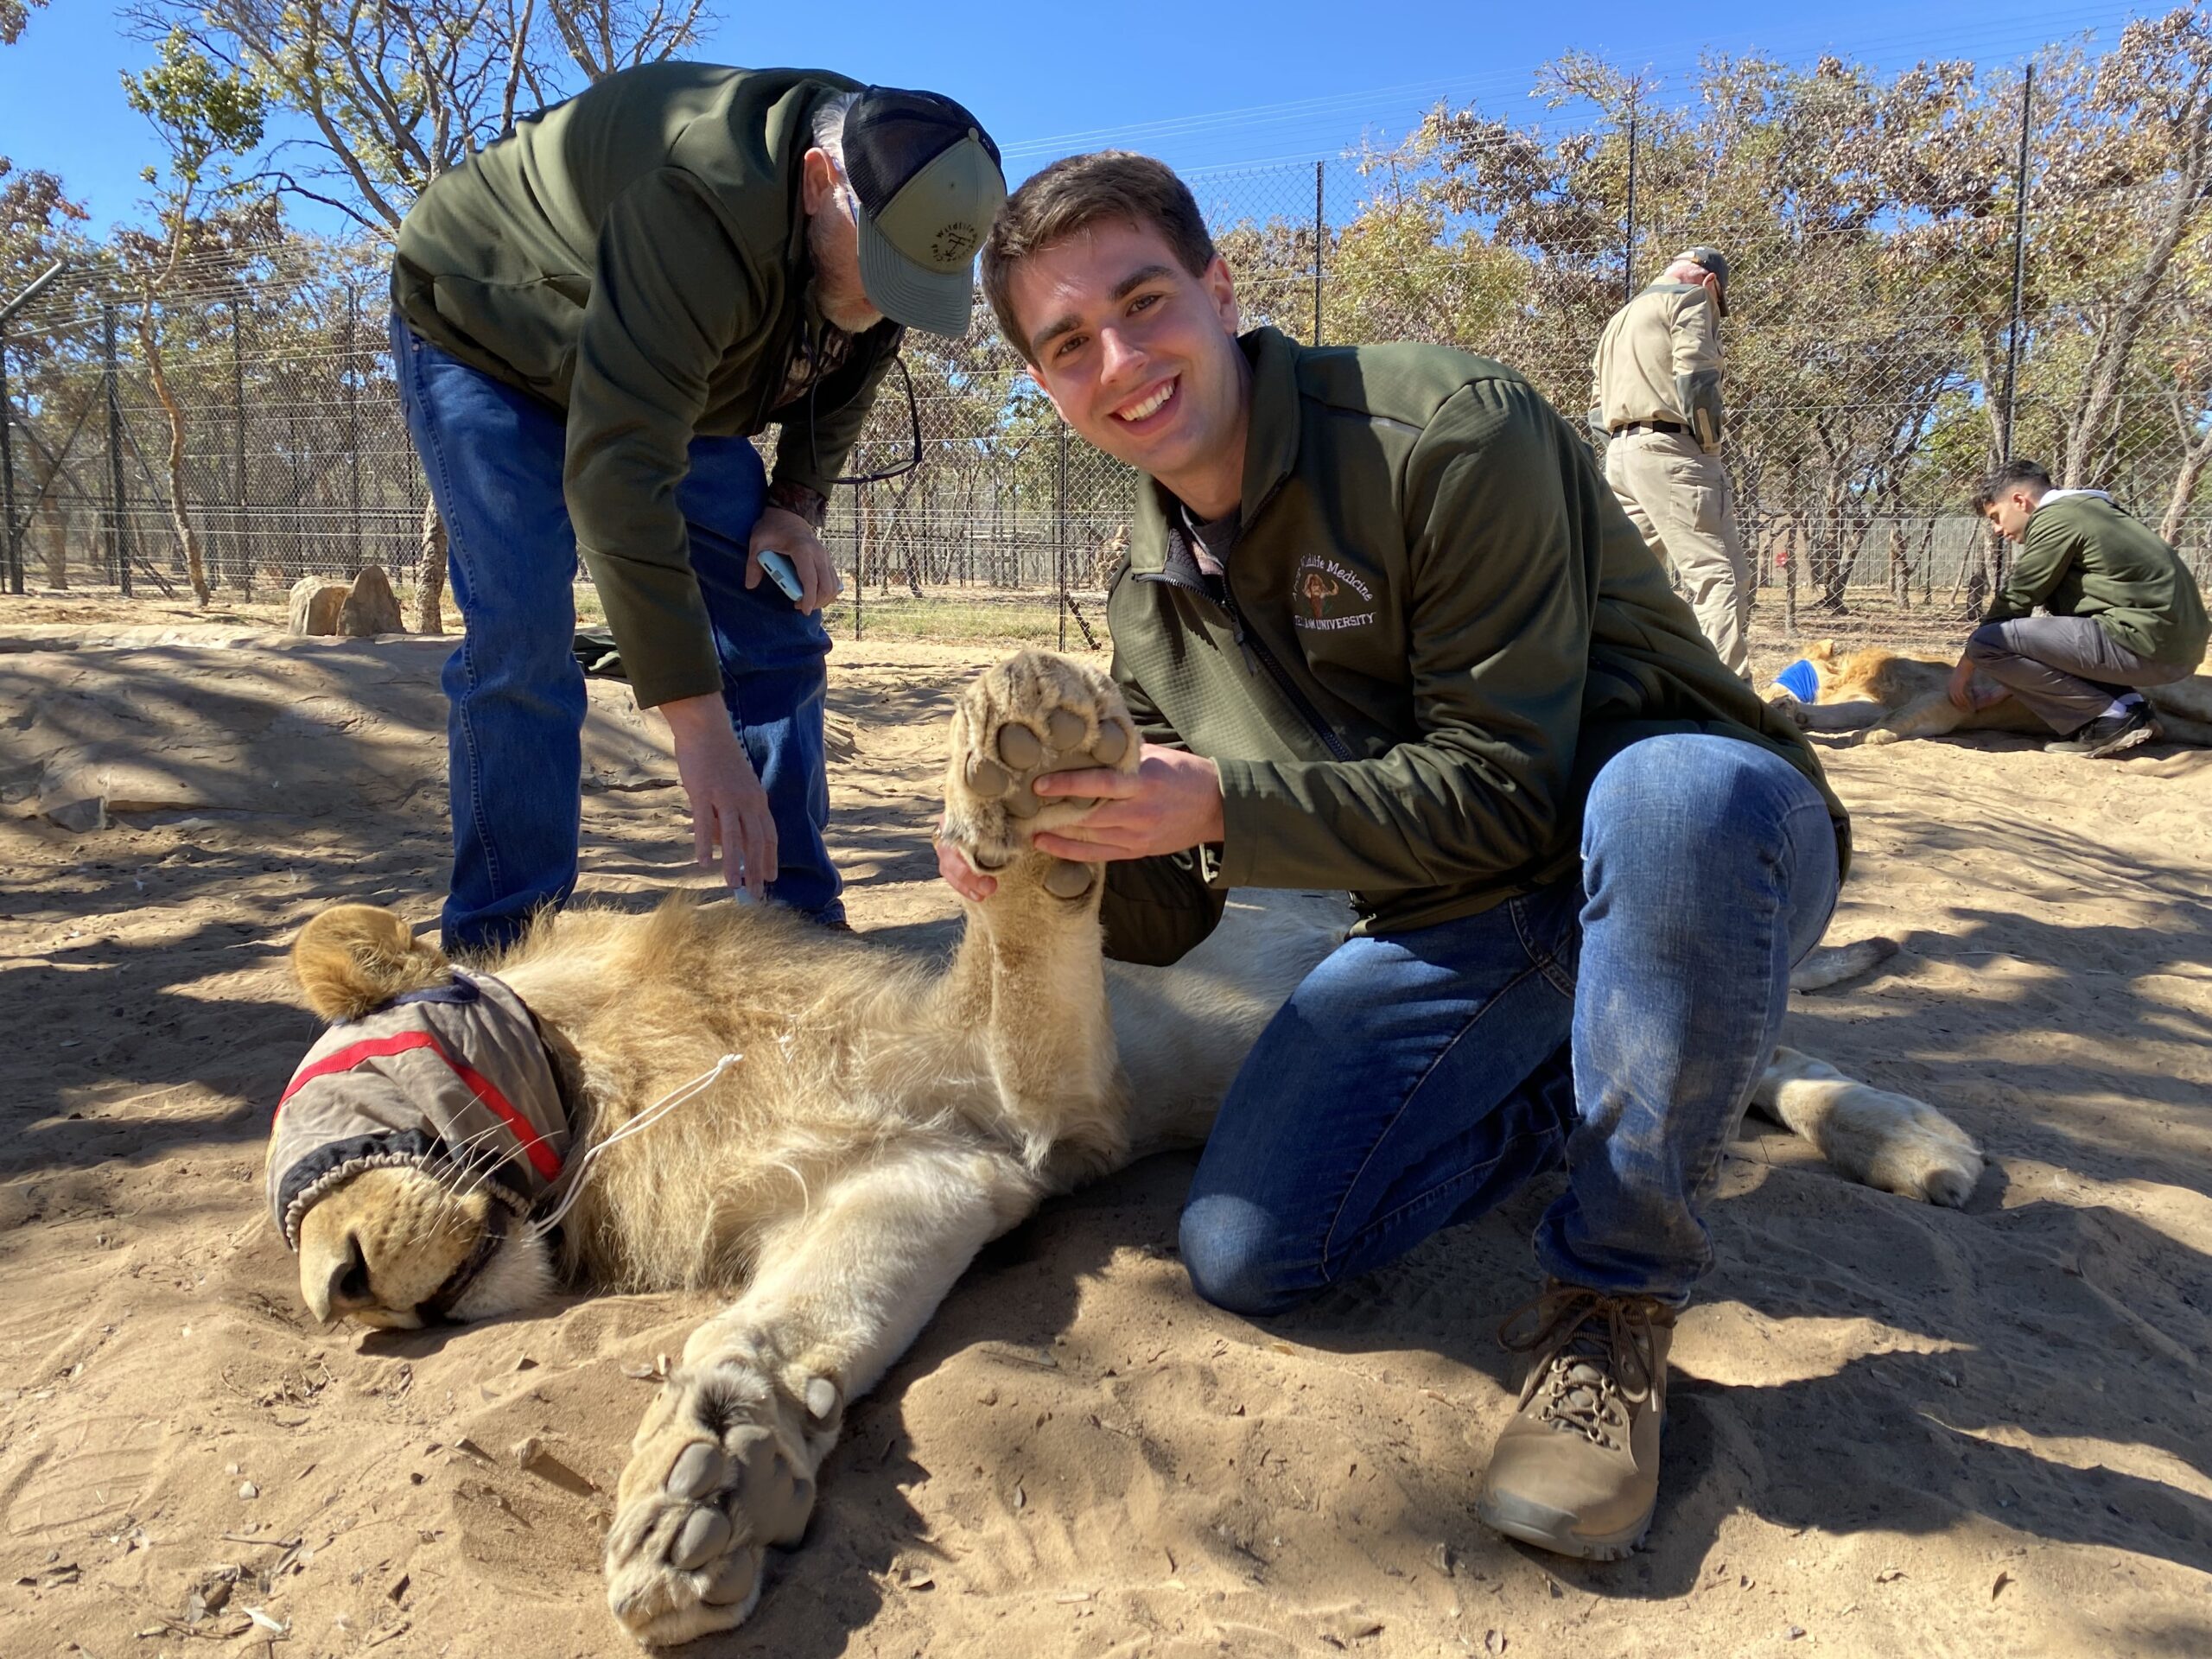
(15, 18)
(395, 93)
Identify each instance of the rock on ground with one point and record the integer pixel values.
(317, 603)
(371, 607)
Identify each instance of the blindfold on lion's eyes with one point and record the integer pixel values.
(431, 1067)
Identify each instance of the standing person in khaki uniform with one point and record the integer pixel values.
(1657, 393)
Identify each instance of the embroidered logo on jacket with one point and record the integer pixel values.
(1328, 597)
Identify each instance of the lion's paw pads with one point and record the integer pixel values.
(1032, 715)
(716, 1476)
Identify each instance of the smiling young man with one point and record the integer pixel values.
(1386, 629)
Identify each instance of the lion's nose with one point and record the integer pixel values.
(347, 1287)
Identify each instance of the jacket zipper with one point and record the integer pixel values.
(1254, 645)
(1257, 655)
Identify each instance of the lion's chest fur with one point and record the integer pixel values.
(848, 1050)
(838, 1048)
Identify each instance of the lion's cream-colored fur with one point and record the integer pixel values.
(1885, 1139)
(1877, 696)
(888, 1115)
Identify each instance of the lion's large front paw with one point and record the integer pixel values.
(718, 1472)
(1034, 714)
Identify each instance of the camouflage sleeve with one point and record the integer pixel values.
(819, 433)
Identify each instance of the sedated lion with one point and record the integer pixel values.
(1876, 696)
(887, 1118)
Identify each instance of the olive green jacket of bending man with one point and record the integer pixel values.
(1436, 627)
(638, 257)
(2083, 556)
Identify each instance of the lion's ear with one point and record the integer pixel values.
(1826, 651)
(355, 957)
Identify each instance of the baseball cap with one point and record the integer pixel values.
(929, 182)
(1714, 261)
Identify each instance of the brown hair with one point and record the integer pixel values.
(2012, 476)
(1074, 193)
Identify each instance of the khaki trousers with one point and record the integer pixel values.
(1677, 496)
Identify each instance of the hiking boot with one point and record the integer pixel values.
(2110, 734)
(1577, 1470)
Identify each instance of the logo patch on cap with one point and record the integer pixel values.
(953, 244)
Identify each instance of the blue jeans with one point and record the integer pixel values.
(1615, 1021)
(514, 729)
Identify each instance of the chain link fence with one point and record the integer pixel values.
(1871, 377)
(272, 430)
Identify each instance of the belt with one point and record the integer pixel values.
(1627, 427)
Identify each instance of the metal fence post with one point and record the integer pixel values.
(1996, 545)
(13, 549)
(860, 575)
(353, 413)
(1320, 241)
(118, 539)
(11, 545)
(293, 562)
(242, 541)
(2019, 258)
(1628, 237)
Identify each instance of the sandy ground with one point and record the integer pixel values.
(1895, 1429)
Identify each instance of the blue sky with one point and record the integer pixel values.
(1201, 86)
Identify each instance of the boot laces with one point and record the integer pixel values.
(1595, 1358)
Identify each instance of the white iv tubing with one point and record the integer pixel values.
(652, 1114)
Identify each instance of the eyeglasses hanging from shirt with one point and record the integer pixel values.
(913, 427)
(819, 359)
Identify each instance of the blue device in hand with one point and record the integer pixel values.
(782, 572)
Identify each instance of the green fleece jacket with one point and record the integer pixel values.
(1439, 625)
(638, 257)
(2083, 556)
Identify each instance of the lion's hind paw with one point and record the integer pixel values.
(717, 1474)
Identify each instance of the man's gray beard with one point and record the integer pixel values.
(864, 316)
(852, 322)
